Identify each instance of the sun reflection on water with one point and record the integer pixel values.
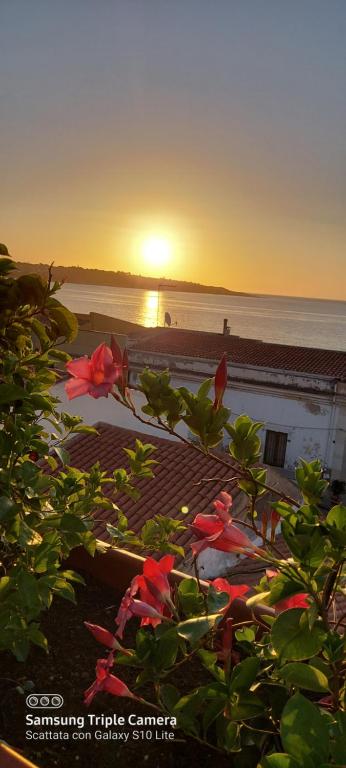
(149, 309)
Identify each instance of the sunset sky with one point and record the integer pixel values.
(197, 139)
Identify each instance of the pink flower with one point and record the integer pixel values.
(223, 505)
(293, 601)
(233, 590)
(93, 377)
(103, 636)
(220, 381)
(124, 612)
(219, 532)
(106, 682)
(155, 577)
(154, 592)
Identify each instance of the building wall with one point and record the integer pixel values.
(87, 341)
(311, 410)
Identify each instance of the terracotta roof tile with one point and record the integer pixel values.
(174, 485)
(241, 351)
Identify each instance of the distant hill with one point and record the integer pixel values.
(120, 279)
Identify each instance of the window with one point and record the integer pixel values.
(275, 448)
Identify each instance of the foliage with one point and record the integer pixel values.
(273, 692)
(43, 514)
(273, 689)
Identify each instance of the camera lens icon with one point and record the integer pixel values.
(44, 701)
(32, 701)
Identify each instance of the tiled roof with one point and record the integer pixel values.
(174, 485)
(211, 346)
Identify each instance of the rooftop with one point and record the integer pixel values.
(241, 351)
(179, 471)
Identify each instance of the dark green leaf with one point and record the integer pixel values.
(304, 732)
(304, 676)
(293, 640)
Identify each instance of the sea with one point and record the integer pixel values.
(285, 320)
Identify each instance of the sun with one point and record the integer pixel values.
(156, 251)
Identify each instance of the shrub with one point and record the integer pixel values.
(43, 514)
(275, 690)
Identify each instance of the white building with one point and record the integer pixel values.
(298, 393)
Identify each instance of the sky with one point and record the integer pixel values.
(194, 139)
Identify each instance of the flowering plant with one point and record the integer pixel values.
(46, 505)
(269, 667)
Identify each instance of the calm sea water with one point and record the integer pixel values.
(304, 322)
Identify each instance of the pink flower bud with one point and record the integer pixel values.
(140, 608)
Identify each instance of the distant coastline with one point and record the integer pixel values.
(84, 276)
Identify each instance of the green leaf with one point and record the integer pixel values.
(62, 454)
(66, 322)
(9, 393)
(46, 554)
(337, 517)
(245, 635)
(190, 598)
(246, 707)
(304, 732)
(244, 674)
(7, 508)
(227, 733)
(213, 710)
(58, 354)
(205, 387)
(167, 649)
(37, 637)
(216, 600)
(187, 709)
(279, 760)
(293, 639)
(304, 676)
(28, 592)
(338, 743)
(209, 661)
(65, 590)
(193, 629)
(20, 646)
(40, 331)
(41, 403)
(169, 696)
(73, 576)
(32, 289)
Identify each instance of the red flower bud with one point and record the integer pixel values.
(220, 381)
(103, 636)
